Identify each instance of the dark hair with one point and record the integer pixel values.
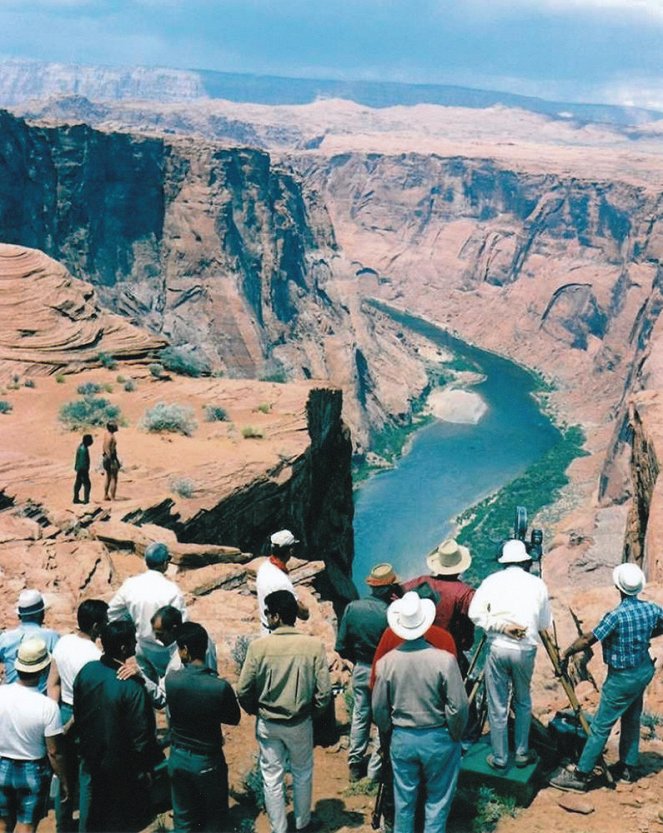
(283, 553)
(170, 616)
(284, 604)
(88, 439)
(91, 612)
(28, 676)
(194, 638)
(111, 426)
(37, 616)
(116, 635)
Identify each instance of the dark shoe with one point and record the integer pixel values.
(313, 825)
(76, 500)
(356, 773)
(493, 764)
(526, 759)
(570, 780)
(622, 772)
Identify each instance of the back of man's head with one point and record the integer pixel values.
(194, 638)
(157, 556)
(118, 639)
(171, 618)
(283, 604)
(91, 613)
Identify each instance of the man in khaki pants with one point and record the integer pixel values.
(285, 681)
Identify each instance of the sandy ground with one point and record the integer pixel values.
(459, 406)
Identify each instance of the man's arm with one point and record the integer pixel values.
(381, 701)
(54, 684)
(481, 613)
(58, 760)
(342, 638)
(230, 706)
(140, 726)
(322, 693)
(118, 609)
(246, 686)
(456, 708)
(584, 641)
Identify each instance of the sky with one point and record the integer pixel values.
(569, 50)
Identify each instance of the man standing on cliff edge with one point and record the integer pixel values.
(272, 575)
(624, 633)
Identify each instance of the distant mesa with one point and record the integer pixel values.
(52, 321)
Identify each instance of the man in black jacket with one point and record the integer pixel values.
(117, 733)
(82, 469)
(199, 701)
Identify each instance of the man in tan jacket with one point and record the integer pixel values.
(285, 682)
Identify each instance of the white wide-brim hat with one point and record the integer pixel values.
(411, 616)
(514, 552)
(629, 578)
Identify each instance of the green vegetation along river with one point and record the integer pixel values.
(402, 513)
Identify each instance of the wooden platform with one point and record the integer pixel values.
(522, 783)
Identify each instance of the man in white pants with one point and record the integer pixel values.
(285, 681)
(512, 606)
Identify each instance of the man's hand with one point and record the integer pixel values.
(515, 631)
(129, 669)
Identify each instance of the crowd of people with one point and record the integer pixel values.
(82, 706)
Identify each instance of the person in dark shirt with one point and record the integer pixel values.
(117, 735)
(82, 469)
(362, 626)
(199, 702)
(446, 563)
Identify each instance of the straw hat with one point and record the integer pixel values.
(32, 656)
(449, 559)
(411, 616)
(382, 575)
(514, 552)
(629, 578)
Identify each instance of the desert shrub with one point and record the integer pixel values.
(30, 383)
(129, 386)
(264, 408)
(108, 388)
(254, 788)
(5, 407)
(91, 410)
(251, 433)
(156, 370)
(239, 650)
(215, 413)
(107, 360)
(649, 721)
(182, 486)
(59, 378)
(277, 376)
(169, 418)
(183, 362)
(490, 807)
(89, 389)
(120, 379)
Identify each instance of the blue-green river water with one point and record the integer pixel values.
(402, 513)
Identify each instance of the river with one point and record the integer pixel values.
(402, 513)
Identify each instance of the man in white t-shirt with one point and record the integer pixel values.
(272, 575)
(512, 606)
(30, 739)
(140, 597)
(71, 653)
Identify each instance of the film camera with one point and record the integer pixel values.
(535, 544)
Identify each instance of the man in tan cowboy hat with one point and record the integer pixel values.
(512, 606)
(363, 623)
(30, 739)
(419, 699)
(446, 563)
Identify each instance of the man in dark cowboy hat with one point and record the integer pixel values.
(363, 623)
(446, 564)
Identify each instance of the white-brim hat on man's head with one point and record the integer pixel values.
(30, 602)
(283, 538)
(32, 656)
(629, 578)
(449, 559)
(514, 552)
(411, 616)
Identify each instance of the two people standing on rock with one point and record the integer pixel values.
(110, 462)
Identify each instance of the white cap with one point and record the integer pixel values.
(514, 552)
(30, 601)
(629, 578)
(283, 538)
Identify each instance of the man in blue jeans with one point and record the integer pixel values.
(199, 702)
(624, 633)
(419, 698)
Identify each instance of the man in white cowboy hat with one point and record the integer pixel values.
(512, 606)
(419, 698)
(364, 621)
(272, 575)
(30, 739)
(446, 564)
(31, 609)
(624, 634)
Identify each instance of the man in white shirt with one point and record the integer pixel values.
(512, 606)
(272, 575)
(30, 738)
(140, 597)
(70, 654)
